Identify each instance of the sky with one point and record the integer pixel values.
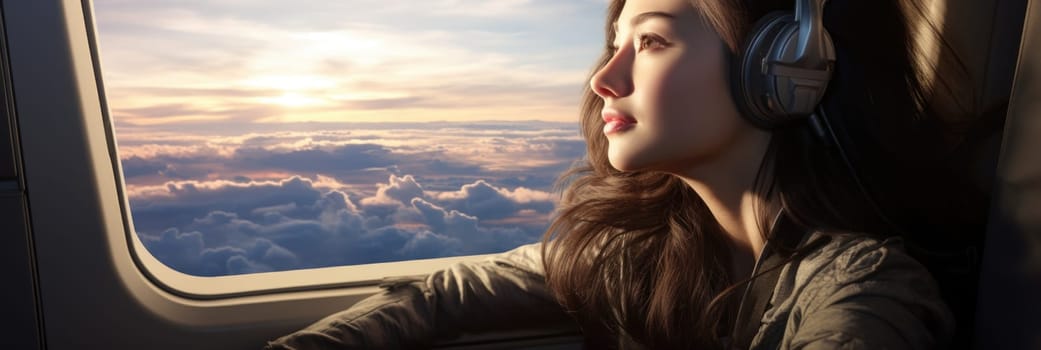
(233, 61)
(263, 135)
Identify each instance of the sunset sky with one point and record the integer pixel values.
(263, 61)
(260, 135)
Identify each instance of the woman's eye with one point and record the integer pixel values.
(649, 41)
(645, 41)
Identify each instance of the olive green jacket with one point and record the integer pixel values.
(852, 293)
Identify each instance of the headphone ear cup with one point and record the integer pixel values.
(751, 81)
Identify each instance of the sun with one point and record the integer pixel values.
(302, 90)
(294, 99)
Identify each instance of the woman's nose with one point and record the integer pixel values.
(614, 79)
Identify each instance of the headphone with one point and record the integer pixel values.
(779, 79)
(784, 68)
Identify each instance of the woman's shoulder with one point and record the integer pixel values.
(852, 258)
(856, 281)
(849, 257)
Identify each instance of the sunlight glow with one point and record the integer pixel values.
(210, 63)
(294, 99)
(291, 82)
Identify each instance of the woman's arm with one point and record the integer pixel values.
(872, 296)
(504, 292)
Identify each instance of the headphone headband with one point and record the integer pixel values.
(810, 16)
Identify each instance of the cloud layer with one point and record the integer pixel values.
(270, 201)
(222, 227)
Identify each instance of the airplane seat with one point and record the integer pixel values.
(1008, 312)
(985, 36)
(990, 56)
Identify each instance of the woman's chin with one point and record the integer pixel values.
(624, 163)
(628, 162)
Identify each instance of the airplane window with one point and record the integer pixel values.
(271, 135)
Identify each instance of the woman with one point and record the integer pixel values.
(682, 192)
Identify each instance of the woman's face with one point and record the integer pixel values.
(667, 104)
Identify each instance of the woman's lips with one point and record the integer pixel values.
(616, 122)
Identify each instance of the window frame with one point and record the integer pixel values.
(90, 261)
(230, 286)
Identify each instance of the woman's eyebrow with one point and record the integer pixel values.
(643, 17)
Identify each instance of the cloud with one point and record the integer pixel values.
(340, 158)
(318, 195)
(400, 190)
(488, 202)
(222, 227)
(442, 155)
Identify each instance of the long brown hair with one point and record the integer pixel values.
(638, 256)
